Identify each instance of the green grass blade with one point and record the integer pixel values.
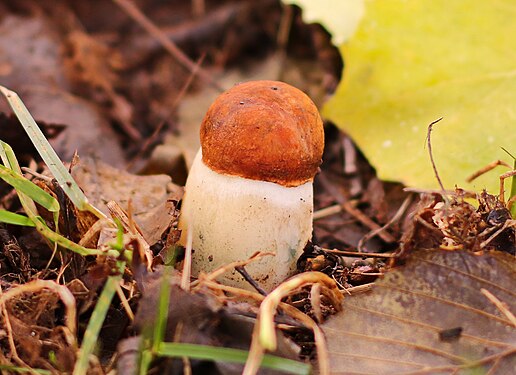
(64, 242)
(33, 191)
(47, 153)
(96, 321)
(162, 313)
(194, 351)
(513, 192)
(23, 370)
(9, 160)
(12, 218)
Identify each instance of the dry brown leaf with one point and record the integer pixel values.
(429, 317)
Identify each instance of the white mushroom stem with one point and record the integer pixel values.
(233, 217)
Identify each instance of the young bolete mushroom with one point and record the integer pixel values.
(250, 185)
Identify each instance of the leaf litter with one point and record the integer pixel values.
(440, 295)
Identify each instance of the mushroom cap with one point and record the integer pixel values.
(263, 130)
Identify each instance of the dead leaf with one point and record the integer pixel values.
(398, 327)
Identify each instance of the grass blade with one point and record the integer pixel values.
(194, 351)
(47, 153)
(23, 370)
(513, 192)
(12, 218)
(34, 192)
(96, 321)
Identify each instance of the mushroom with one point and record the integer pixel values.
(250, 185)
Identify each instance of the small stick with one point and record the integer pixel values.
(486, 169)
(507, 224)
(125, 302)
(465, 193)
(500, 305)
(429, 143)
(228, 267)
(501, 198)
(327, 211)
(360, 255)
(397, 216)
(242, 271)
(135, 13)
(359, 289)
(387, 237)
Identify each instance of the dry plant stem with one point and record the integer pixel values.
(10, 338)
(486, 169)
(397, 216)
(359, 215)
(284, 27)
(506, 225)
(256, 352)
(359, 255)
(135, 13)
(64, 293)
(466, 194)
(241, 270)
(94, 229)
(350, 160)
(439, 370)
(429, 143)
(187, 265)
(500, 305)
(129, 226)
(510, 202)
(320, 342)
(228, 267)
(315, 301)
(33, 173)
(270, 303)
(359, 289)
(502, 184)
(327, 211)
(125, 302)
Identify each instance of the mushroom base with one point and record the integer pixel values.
(233, 217)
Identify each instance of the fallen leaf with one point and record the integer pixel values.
(412, 62)
(428, 317)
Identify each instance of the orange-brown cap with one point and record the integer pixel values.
(263, 130)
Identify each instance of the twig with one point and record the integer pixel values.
(486, 169)
(125, 302)
(360, 216)
(500, 305)
(228, 267)
(360, 255)
(359, 289)
(327, 211)
(135, 13)
(501, 198)
(397, 216)
(505, 225)
(242, 271)
(429, 143)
